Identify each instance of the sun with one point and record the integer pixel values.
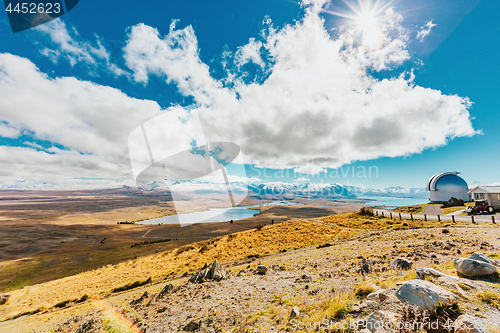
(366, 19)
(368, 25)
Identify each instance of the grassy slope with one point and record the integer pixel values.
(271, 239)
(275, 238)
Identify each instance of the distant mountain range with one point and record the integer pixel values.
(290, 190)
(276, 189)
(397, 191)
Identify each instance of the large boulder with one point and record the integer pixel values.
(468, 324)
(213, 273)
(480, 257)
(381, 321)
(401, 264)
(4, 298)
(424, 295)
(476, 265)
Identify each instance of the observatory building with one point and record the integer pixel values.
(444, 186)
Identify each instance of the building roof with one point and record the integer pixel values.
(485, 189)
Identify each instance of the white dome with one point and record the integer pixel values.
(446, 185)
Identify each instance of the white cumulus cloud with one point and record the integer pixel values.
(319, 105)
(91, 121)
(315, 105)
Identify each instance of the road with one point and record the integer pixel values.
(477, 218)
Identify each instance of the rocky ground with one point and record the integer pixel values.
(337, 283)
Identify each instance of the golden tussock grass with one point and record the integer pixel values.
(358, 220)
(270, 239)
(355, 220)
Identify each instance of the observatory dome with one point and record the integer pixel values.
(444, 186)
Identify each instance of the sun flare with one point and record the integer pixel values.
(366, 18)
(368, 25)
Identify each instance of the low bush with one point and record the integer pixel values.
(365, 211)
(132, 285)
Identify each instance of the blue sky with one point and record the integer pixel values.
(406, 88)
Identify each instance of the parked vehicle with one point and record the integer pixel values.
(480, 207)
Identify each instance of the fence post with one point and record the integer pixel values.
(400, 217)
(411, 215)
(382, 214)
(439, 218)
(493, 219)
(425, 217)
(390, 215)
(376, 213)
(472, 218)
(453, 218)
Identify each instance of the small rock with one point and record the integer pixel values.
(295, 312)
(432, 255)
(381, 321)
(468, 324)
(261, 269)
(360, 307)
(380, 295)
(401, 264)
(192, 326)
(424, 295)
(304, 278)
(140, 299)
(365, 267)
(4, 298)
(85, 327)
(167, 289)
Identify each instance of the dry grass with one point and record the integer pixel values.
(364, 288)
(333, 309)
(361, 220)
(449, 210)
(489, 297)
(270, 239)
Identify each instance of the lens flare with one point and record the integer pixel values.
(117, 318)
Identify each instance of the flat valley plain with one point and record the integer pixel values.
(47, 235)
